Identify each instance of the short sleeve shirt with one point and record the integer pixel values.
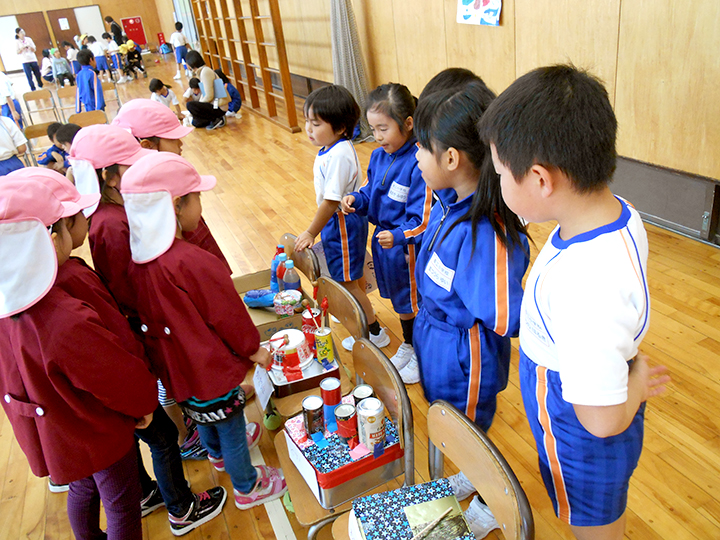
(336, 172)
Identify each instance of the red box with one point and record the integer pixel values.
(161, 38)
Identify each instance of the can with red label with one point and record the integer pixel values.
(347, 428)
(311, 321)
(313, 414)
(330, 391)
(371, 422)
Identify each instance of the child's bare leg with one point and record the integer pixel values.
(176, 415)
(612, 531)
(358, 292)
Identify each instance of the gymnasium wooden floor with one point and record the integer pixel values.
(265, 189)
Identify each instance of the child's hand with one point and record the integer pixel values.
(346, 204)
(262, 357)
(653, 379)
(385, 239)
(305, 240)
(144, 421)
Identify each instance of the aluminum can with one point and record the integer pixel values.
(347, 428)
(313, 414)
(362, 391)
(311, 321)
(324, 345)
(330, 391)
(371, 422)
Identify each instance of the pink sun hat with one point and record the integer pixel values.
(148, 189)
(147, 118)
(27, 208)
(62, 188)
(97, 147)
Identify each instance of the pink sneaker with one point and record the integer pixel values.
(270, 486)
(253, 432)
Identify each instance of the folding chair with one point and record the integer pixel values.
(66, 100)
(32, 133)
(305, 261)
(111, 87)
(376, 369)
(347, 309)
(36, 97)
(88, 118)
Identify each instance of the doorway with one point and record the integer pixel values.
(64, 25)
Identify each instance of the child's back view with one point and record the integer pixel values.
(586, 306)
(89, 87)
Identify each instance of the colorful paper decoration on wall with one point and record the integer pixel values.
(484, 12)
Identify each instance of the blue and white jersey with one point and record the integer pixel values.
(462, 282)
(395, 198)
(587, 308)
(336, 171)
(89, 91)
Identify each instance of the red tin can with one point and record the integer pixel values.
(330, 391)
(346, 420)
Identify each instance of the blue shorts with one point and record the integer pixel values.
(116, 62)
(396, 275)
(180, 54)
(466, 367)
(101, 63)
(586, 477)
(344, 240)
(7, 112)
(9, 165)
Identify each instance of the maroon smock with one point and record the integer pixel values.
(109, 237)
(198, 334)
(80, 281)
(71, 391)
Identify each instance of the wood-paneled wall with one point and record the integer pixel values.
(659, 59)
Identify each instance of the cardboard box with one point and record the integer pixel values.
(311, 379)
(266, 320)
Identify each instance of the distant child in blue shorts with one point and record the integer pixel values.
(89, 88)
(397, 201)
(99, 49)
(181, 46)
(233, 94)
(586, 306)
(330, 117)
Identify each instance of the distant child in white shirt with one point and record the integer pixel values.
(181, 46)
(163, 94)
(98, 49)
(113, 50)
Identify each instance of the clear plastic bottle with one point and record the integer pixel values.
(274, 287)
(280, 272)
(291, 278)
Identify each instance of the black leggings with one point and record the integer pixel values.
(203, 113)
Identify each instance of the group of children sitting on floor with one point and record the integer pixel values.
(458, 174)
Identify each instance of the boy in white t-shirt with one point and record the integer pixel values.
(10, 106)
(181, 46)
(586, 306)
(99, 49)
(12, 144)
(163, 94)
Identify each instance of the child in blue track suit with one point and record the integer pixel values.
(397, 201)
(233, 94)
(586, 308)
(89, 88)
(330, 117)
(470, 267)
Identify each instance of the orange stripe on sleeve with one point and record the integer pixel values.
(425, 218)
(345, 246)
(475, 374)
(502, 299)
(550, 444)
(413, 284)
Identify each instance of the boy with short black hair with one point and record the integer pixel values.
(586, 307)
(181, 46)
(89, 88)
(55, 157)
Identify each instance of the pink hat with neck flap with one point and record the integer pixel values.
(146, 118)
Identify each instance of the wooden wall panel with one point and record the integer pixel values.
(559, 31)
(488, 51)
(419, 41)
(306, 24)
(669, 84)
(376, 29)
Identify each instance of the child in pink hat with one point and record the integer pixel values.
(73, 423)
(157, 128)
(199, 336)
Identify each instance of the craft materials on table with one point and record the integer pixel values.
(286, 302)
(290, 353)
(371, 426)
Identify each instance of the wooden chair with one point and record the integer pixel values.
(66, 100)
(376, 369)
(111, 88)
(305, 261)
(347, 309)
(88, 118)
(32, 133)
(36, 97)
(452, 434)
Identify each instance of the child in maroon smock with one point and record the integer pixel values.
(199, 336)
(73, 423)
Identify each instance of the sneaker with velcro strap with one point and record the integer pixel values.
(152, 501)
(205, 506)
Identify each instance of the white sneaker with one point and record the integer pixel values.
(177, 76)
(348, 343)
(404, 354)
(410, 373)
(230, 114)
(381, 340)
(461, 486)
(123, 79)
(480, 519)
